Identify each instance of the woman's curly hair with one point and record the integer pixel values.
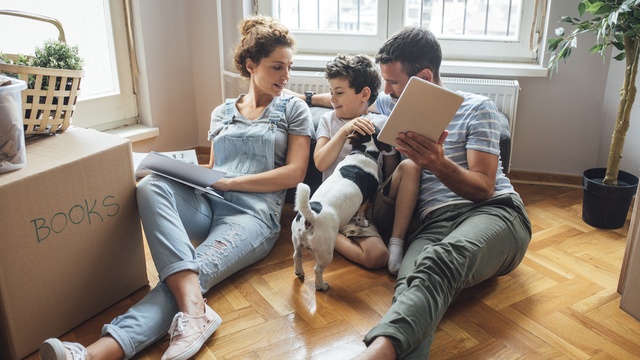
(260, 36)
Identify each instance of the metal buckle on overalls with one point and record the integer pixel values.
(225, 127)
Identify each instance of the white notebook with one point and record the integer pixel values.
(423, 108)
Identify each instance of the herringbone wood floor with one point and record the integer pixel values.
(560, 303)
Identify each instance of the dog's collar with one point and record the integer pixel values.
(365, 153)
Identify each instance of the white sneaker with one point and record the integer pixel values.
(54, 349)
(188, 333)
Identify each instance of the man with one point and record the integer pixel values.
(473, 224)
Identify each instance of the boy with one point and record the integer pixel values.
(354, 82)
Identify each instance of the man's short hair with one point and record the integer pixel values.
(416, 48)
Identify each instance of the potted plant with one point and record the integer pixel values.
(616, 23)
(57, 65)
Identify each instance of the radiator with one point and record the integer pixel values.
(301, 81)
(504, 93)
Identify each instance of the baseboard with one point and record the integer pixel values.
(516, 176)
(549, 179)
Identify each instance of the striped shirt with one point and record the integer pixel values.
(476, 126)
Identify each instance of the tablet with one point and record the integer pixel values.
(424, 108)
(184, 172)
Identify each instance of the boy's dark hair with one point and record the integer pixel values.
(416, 48)
(359, 70)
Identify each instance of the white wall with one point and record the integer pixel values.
(179, 55)
(631, 156)
(564, 122)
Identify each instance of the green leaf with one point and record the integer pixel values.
(553, 43)
(604, 9)
(567, 19)
(620, 56)
(618, 45)
(581, 8)
(593, 8)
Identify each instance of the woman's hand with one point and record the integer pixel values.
(280, 178)
(223, 184)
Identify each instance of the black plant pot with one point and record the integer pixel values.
(604, 206)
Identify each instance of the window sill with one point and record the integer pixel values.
(448, 67)
(135, 132)
(479, 68)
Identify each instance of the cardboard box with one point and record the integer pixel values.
(628, 285)
(70, 237)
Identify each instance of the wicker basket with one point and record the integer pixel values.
(50, 99)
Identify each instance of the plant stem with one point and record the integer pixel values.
(627, 98)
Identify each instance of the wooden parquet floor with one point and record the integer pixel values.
(560, 303)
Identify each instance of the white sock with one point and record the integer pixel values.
(396, 248)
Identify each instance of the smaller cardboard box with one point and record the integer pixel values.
(629, 288)
(70, 237)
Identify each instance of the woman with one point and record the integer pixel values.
(261, 140)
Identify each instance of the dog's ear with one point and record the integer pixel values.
(384, 147)
(355, 138)
(379, 144)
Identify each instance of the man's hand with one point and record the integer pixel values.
(475, 183)
(424, 152)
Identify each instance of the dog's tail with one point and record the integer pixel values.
(303, 193)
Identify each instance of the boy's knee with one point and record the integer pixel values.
(408, 173)
(408, 167)
(377, 258)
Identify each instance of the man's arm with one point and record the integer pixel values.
(476, 184)
(323, 99)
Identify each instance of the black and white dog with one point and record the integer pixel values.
(343, 195)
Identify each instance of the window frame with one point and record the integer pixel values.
(454, 50)
(312, 42)
(118, 107)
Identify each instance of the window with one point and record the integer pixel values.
(97, 27)
(478, 30)
(331, 26)
(347, 16)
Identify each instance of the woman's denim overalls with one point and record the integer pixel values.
(232, 233)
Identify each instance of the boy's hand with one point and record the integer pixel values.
(361, 125)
